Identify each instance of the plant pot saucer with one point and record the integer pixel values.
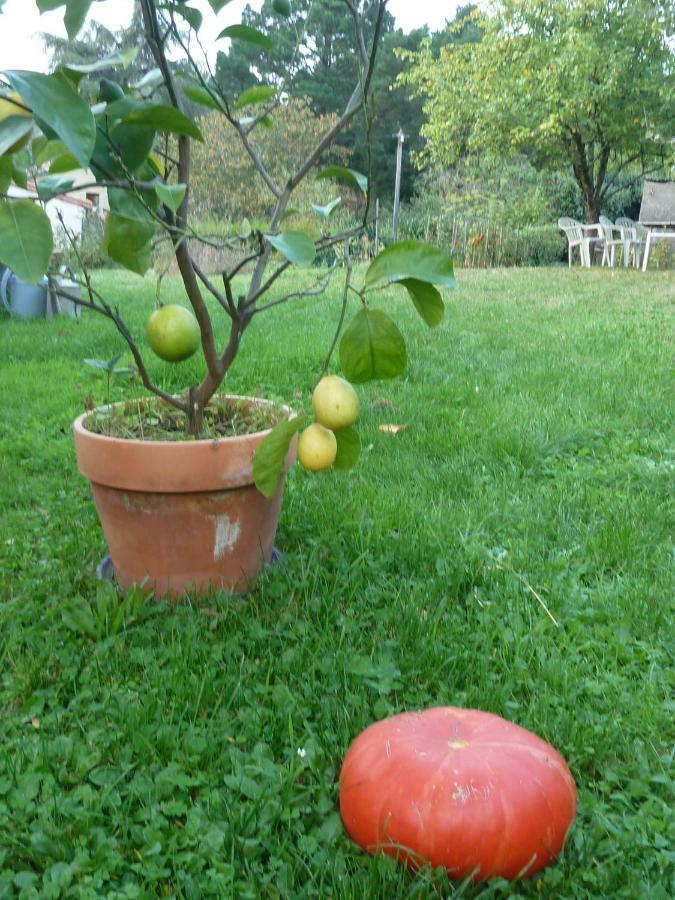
(105, 571)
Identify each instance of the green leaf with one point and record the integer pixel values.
(257, 94)
(426, 299)
(117, 110)
(19, 174)
(47, 5)
(122, 58)
(200, 95)
(342, 173)
(282, 7)
(372, 347)
(61, 108)
(38, 145)
(43, 846)
(132, 143)
(66, 162)
(164, 118)
(348, 449)
(128, 242)
(296, 246)
(268, 460)
(126, 203)
(412, 259)
(12, 130)
(191, 15)
(76, 13)
(217, 5)
(53, 185)
(44, 150)
(5, 173)
(171, 195)
(26, 240)
(105, 365)
(325, 211)
(108, 92)
(248, 34)
(104, 776)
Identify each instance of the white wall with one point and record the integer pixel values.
(73, 214)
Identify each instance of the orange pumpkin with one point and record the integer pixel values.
(457, 788)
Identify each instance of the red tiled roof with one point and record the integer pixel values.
(67, 198)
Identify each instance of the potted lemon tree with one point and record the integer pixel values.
(188, 486)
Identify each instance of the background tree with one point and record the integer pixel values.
(571, 82)
(396, 109)
(97, 42)
(313, 54)
(400, 108)
(226, 183)
(319, 63)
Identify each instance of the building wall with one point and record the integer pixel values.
(70, 207)
(97, 195)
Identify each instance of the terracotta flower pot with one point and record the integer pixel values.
(181, 515)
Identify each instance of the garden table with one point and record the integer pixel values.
(657, 214)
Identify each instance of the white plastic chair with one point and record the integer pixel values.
(609, 243)
(634, 238)
(576, 238)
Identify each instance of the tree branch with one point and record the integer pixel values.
(210, 287)
(104, 308)
(221, 100)
(352, 107)
(345, 297)
(213, 363)
(317, 288)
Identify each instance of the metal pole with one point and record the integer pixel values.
(400, 137)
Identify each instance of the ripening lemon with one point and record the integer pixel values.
(173, 333)
(317, 448)
(335, 402)
(8, 109)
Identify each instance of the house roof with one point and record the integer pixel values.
(658, 203)
(31, 193)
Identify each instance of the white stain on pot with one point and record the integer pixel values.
(227, 534)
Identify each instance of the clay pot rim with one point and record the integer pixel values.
(80, 428)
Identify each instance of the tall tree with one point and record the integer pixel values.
(400, 108)
(226, 183)
(396, 110)
(568, 82)
(321, 62)
(313, 54)
(98, 42)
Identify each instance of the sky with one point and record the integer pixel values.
(20, 24)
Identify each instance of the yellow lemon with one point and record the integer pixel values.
(317, 447)
(335, 402)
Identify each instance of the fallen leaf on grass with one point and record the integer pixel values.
(392, 429)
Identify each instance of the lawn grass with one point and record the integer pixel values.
(509, 550)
